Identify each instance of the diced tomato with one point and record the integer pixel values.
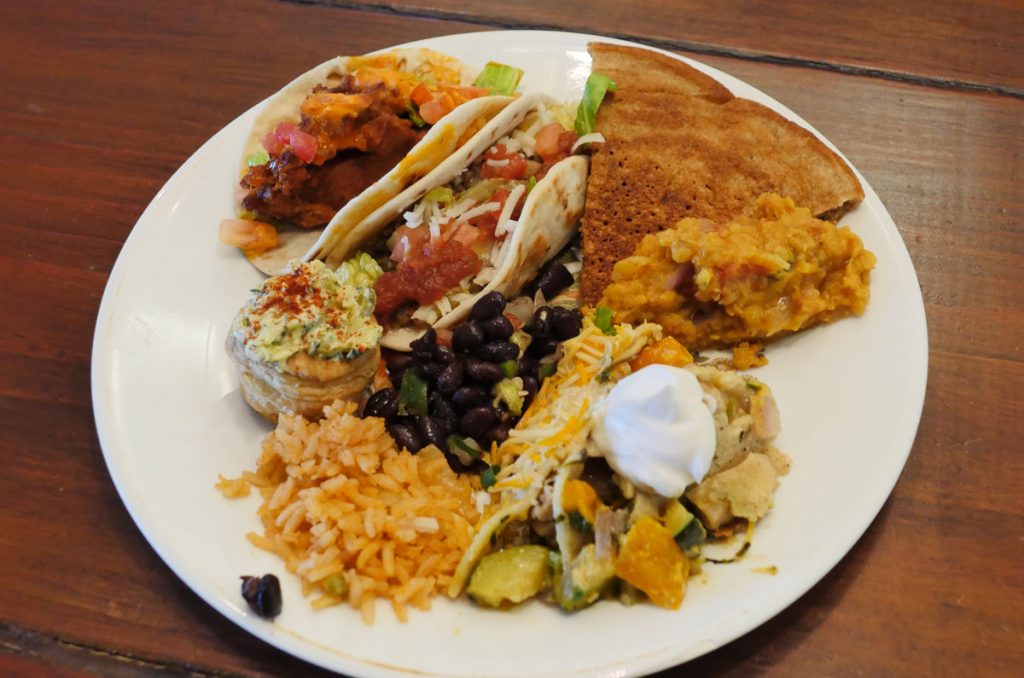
(515, 168)
(421, 94)
(408, 240)
(444, 337)
(303, 145)
(436, 108)
(554, 143)
(467, 93)
(272, 144)
(488, 221)
(287, 135)
(425, 277)
(547, 141)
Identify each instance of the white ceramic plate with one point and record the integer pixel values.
(170, 419)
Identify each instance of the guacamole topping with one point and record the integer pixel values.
(324, 313)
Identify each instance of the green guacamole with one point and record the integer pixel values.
(324, 313)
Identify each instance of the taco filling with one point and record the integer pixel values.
(450, 245)
(348, 136)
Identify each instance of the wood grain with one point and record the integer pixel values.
(97, 110)
(971, 44)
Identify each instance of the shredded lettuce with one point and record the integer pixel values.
(593, 94)
(531, 183)
(258, 158)
(441, 194)
(359, 271)
(499, 78)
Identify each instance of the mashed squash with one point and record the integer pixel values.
(713, 284)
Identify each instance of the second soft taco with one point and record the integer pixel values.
(487, 219)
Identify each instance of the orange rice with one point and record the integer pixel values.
(355, 518)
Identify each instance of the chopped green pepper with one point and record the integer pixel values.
(510, 368)
(412, 394)
(336, 585)
(489, 476)
(603, 320)
(546, 370)
(463, 444)
(414, 116)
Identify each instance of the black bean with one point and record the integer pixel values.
(539, 326)
(432, 369)
(450, 378)
(455, 464)
(263, 595)
(444, 354)
(497, 328)
(498, 433)
(432, 431)
(498, 351)
(442, 410)
(405, 435)
(477, 422)
(482, 371)
(527, 365)
(543, 347)
(565, 323)
(426, 342)
(468, 337)
(531, 385)
(469, 397)
(488, 306)
(553, 279)
(398, 362)
(383, 404)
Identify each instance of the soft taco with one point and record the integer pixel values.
(487, 219)
(353, 133)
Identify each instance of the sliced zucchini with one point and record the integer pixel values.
(510, 576)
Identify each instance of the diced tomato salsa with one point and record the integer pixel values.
(426, 277)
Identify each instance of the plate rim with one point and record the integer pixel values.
(301, 647)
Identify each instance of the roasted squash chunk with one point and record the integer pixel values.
(650, 560)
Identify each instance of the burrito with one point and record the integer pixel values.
(487, 219)
(352, 134)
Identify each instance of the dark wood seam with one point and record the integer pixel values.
(53, 650)
(681, 45)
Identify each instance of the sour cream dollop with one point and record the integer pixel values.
(656, 428)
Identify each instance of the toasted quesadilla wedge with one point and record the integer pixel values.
(679, 144)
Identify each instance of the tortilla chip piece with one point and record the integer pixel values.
(743, 491)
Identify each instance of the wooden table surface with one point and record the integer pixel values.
(100, 102)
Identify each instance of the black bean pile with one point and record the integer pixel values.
(447, 395)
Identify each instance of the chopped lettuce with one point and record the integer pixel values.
(593, 94)
(359, 271)
(441, 194)
(258, 158)
(499, 78)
